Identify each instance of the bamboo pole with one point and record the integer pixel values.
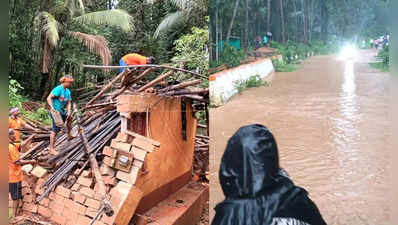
(181, 85)
(156, 80)
(109, 85)
(147, 65)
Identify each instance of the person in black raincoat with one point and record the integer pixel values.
(257, 190)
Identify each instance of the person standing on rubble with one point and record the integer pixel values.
(15, 169)
(59, 99)
(135, 59)
(16, 123)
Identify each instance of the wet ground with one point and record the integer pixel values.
(329, 119)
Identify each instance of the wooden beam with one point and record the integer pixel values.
(106, 87)
(129, 206)
(156, 80)
(181, 85)
(156, 143)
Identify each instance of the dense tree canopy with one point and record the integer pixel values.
(49, 39)
(297, 20)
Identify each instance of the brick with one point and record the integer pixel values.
(79, 208)
(105, 170)
(88, 192)
(98, 222)
(108, 220)
(39, 190)
(28, 198)
(108, 161)
(122, 189)
(58, 219)
(45, 202)
(143, 144)
(138, 163)
(108, 151)
(63, 191)
(56, 207)
(87, 182)
(108, 180)
(122, 137)
(68, 203)
(120, 145)
(26, 191)
(90, 212)
(83, 220)
(75, 187)
(130, 177)
(116, 201)
(139, 154)
(30, 207)
(87, 173)
(44, 211)
(56, 197)
(78, 197)
(39, 172)
(92, 203)
(70, 214)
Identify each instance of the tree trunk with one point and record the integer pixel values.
(276, 21)
(305, 9)
(324, 20)
(216, 21)
(246, 25)
(231, 24)
(269, 16)
(282, 22)
(295, 20)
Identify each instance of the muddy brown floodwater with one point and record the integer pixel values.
(329, 119)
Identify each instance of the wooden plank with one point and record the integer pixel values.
(156, 80)
(129, 206)
(140, 219)
(123, 127)
(143, 144)
(156, 143)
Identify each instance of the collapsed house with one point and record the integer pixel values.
(138, 161)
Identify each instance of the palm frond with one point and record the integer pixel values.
(171, 20)
(95, 44)
(49, 26)
(114, 17)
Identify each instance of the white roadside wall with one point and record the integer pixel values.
(223, 84)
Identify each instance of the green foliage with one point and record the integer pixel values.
(281, 66)
(384, 55)
(16, 100)
(253, 81)
(191, 50)
(230, 56)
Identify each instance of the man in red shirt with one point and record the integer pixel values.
(15, 169)
(135, 59)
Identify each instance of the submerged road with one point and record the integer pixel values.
(329, 119)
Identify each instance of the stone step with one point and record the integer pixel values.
(183, 207)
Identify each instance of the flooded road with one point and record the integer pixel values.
(329, 119)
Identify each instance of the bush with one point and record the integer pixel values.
(229, 56)
(281, 66)
(384, 55)
(253, 81)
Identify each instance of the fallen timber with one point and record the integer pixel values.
(101, 123)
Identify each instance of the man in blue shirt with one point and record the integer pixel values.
(59, 99)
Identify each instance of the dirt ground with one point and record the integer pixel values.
(328, 118)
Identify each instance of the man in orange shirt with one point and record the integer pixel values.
(15, 169)
(135, 59)
(15, 122)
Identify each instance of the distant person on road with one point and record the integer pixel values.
(257, 191)
(60, 101)
(135, 59)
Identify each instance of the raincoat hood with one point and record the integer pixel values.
(250, 162)
(257, 191)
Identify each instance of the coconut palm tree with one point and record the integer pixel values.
(188, 11)
(55, 25)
